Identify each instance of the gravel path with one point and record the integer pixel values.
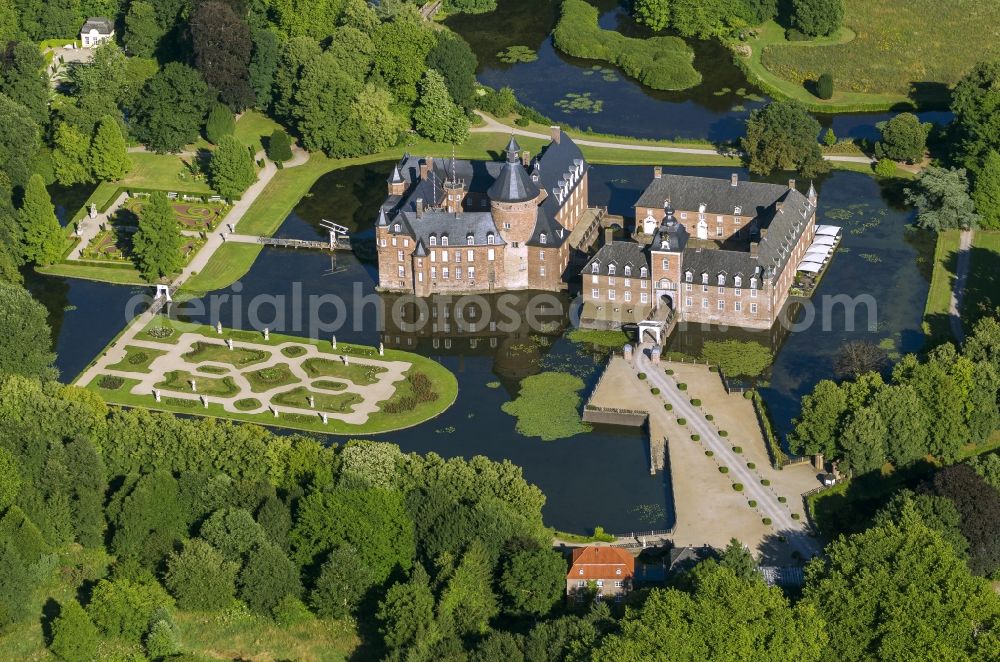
(958, 287)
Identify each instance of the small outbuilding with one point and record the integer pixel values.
(96, 31)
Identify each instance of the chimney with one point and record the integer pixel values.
(420, 207)
(426, 166)
(423, 170)
(778, 206)
(754, 246)
(556, 133)
(734, 179)
(763, 233)
(526, 158)
(657, 172)
(609, 235)
(791, 183)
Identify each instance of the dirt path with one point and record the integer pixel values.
(493, 126)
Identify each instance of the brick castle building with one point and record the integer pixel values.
(458, 226)
(710, 250)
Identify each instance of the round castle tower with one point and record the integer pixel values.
(513, 199)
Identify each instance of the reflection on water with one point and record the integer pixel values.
(714, 110)
(599, 478)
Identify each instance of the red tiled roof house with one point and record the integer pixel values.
(608, 570)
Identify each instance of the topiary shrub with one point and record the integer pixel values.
(713, 368)
(642, 375)
(751, 465)
(723, 470)
(748, 395)
(668, 406)
(681, 421)
(766, 521)
(696, 402)
(738, 449)
(796, 516)
(709, 417)
(682, 386)
(752, 503)
(723, 433)
(709, 453)
(782, 499)
(765, 482)
(669, 371)
(738, 487)
(696, 437)
(824, 86)
(885, 168)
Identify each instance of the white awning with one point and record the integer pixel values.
(831, 230)
(824, 240)
(820, 251)
(810, 266)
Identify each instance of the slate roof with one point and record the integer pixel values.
(719, 196)
(670, 235)
(553, 165)
(620, 254)
(457, 227)
(513, 184)
(99, 23)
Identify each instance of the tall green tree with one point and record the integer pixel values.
(533, 581)
(453, 58)
(231, 168)
(935, 512)
(43, 237)
(817, 426)
(109, 157)
(783, 136)
(199, 577)
(71, 155)
(279, 146)
(22, 77)
(654, 14)
(342, 583)
(234, 532)
(124, 608)
(906, 422)
(267, 577)
(986, 191)
(436, 116)
(27, 346)
(401, 49)
(142, 31)
(18, 141)
(736, 358)
(942, 199)
(978, 506)
(74, 636)
(904, 138)
(221, 122)
(157, 243)
(263, 66)
(222, 49)
(172, 108)
(863, 441)
(817, 17)
(974, 102)
(900, 592)
(726, 618)
(467, 602)
(407, 616)
(354, 51)
(295, 54)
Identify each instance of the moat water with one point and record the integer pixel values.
(597, 478)
(714, 110)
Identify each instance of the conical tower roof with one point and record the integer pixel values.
(396, 177)
(383, 219)
(513, 184)
(512, 147)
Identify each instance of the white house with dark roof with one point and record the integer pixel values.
(451, 225)
(717, 251)
(96, 31)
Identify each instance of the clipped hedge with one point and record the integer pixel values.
(709, 417)
(752, 503)
(654, 391)
(723, 470)
(751, 465)
(738, 449)
(669, 371)
(682, 386)
(642, 375)
(668, 406)
(738, 487)
(723, 433)
(662, 63)
(795, 516)
(709, 453)
(681, 421)
(696, 402)
(696, 437)
(765, 482)
(782, 499)
(766, 521)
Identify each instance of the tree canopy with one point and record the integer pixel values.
(941, 196)
(157, 243)
(783, 136)
(171, 110)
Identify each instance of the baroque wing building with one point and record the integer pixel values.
(459, 226)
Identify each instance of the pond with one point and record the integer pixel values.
(715, 110)
(597, 478)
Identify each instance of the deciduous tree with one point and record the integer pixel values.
(199, 576)
(71, 156)
(231, 168)
(266, 578)
(279, 146)
(401, 49)
(407, 615)
(904, 138)
(222, 50)
(986, 191)
(736, 358)
(123, 608)
(142, 31)
(817, 17)
(342, 583)
(22, 77)
(234, 532)
(263, 65)
(978, 505)
(172, 108)
(942, 199)
(816, 428)
(27, 346)
(533, 581)
(783, 136)
(157, 243)
(453, 58)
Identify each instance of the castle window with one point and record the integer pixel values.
(397, 227)
(444, 274)
(541, 271)
(628, 296)
(628, 270)
(444, 241)
(666, 264)
(595, 268)
(688, 276)
(643, 297)
(541, 255)
(722, 279)
(542, 238)
(433, 240)
(739, 292)
(595, 294)
(399, 255)
(490, 239)
(472, 273)
(611, 295)
(491, 255)
(458, 273)
(704, 278)
(738, 211)
(643, 272)
(393, 241)
(722, 304)
(402, 271)
(434, 273)
(611, 270)
(458, 257)
(738, 306)
(470, 240)
(753, 283)
(753, 309)
(704, 304)
(738, 281)
(469, 255)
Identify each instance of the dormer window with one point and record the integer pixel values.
(753, 283)
(433, 240)
(628, 270)
(737, 281)
(642, 272)
(490, 239)
(470, 240)
(704, 279)
(396, 227)
(688, 276)
(444, 241)
(618, 571)
(595, 268)
(722, 279)
(542, 238)
(738, 211)
(611, 270)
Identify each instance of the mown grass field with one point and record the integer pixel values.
(252, 127)
(939, 295)
(901, 49)
(166, 172)
(230, 262)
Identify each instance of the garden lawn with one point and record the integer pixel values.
(121, 274)
(267, 378)
(218, 352)
(360, 374)
(548, 406)
(227, 265)
(165, 172)
(982, 290)
(252, 126)
(180, 380)
(299, 397)
(936, 324)
(901, 49)
(136, 359)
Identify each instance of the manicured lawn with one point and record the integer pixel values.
(900, 50)
(267, 378)
(121, 275)
(329, 385)
(252, 126)
(137, 359)
(936, 324)
(360, 374)
(162, 171)
(299, 397)
(180, 380)
(227, 265)
(218, 352)
(982, 290)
